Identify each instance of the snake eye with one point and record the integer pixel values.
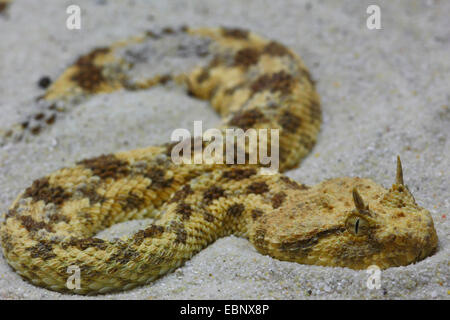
(357, 225)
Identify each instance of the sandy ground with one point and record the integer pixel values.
(384, 92)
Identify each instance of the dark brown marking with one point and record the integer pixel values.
(56, 218)
(277, 199)
(290, 122)
(41, 190)
(280, 81)
(3, 6)
(90, 193)
(293, 184)
(124, 254)
(236, 210)
(306, 141)
(11, 213)
(152, 231)
(32, 225)
(180, 232)
(276, 49)
(6, 242)
(306, 244)
(259, 239)
(204, 75)
(213, 193)
(246, 57)
(307, 75)
(185, 210)
(106, 166)
(232, 90)
(258, 187)
(158, 180)
(247, 119)
(181, 194)
(315, 111)
(84, 243)
(165, 78)
(256, 213)
(43, 249)
(235, 33)
(89, 76)
(239, 174)
(132, 202)
(208, 216)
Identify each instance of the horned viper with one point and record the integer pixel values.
(252, 83)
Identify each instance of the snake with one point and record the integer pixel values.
(253, 83)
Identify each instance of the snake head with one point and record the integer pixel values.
(390, 231)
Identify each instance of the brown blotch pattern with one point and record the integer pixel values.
(158, 180)
(180, 232)
(306, 244)
(306, 141)
(246, 57)
(280, 81)
(90, 193)
(247, 119)
(203, 75)
(185, 210)
(32, 225)
(258, 187)
(43, 249)
(153, 231)
(276, 49)
(88, 75)
(6, 242)
(84, 243)
(124, 254)
(56, 218)
(236, 210)
(239, 174)
(259, 239)
(213, 193)
(293, 184)
(3, 6)
(106, 166)
(256, 213)
(182, 194)
(277, 199)
(132, 201)
(208, 216)
(41, 190)
(290, 122)
(235, 33)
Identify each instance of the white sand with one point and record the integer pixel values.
(384, 92)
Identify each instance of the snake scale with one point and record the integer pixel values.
(252, 82)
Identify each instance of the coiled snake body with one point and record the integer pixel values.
(253, 83)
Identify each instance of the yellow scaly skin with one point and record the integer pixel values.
(253, 83)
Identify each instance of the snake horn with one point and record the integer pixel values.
(399, 175)
(359, 203)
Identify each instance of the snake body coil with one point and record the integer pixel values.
(252, 83)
